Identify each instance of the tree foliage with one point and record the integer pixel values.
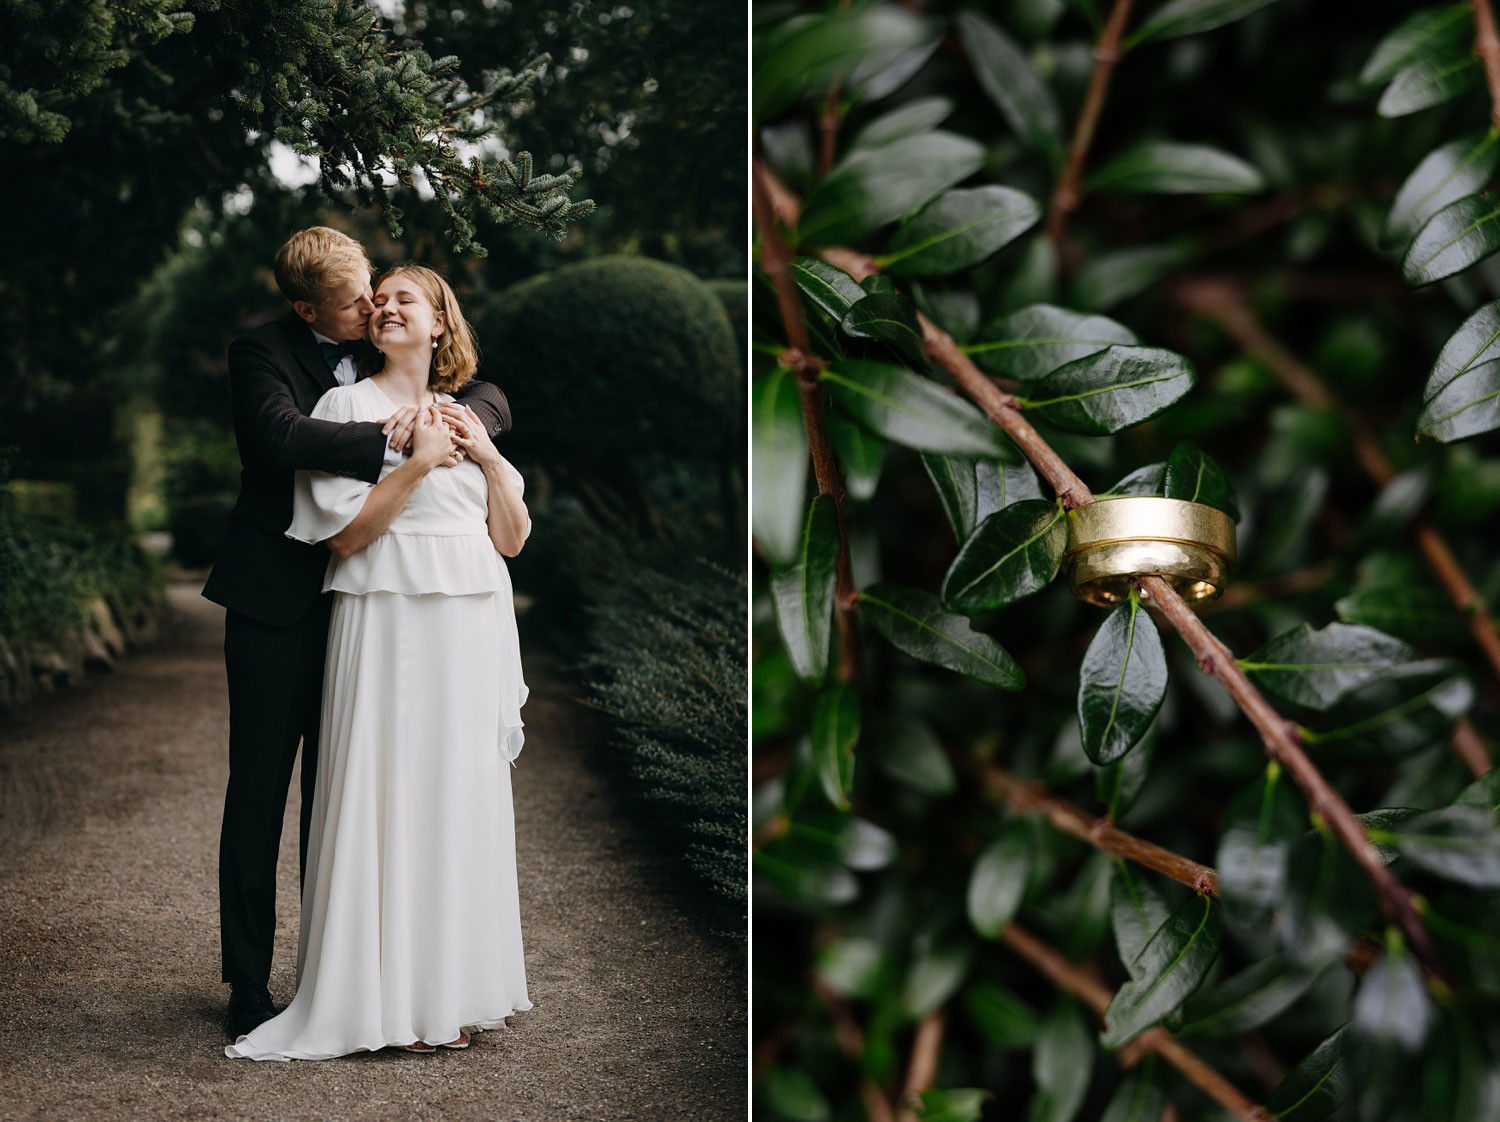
(1201, 249)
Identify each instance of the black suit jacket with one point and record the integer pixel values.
(276, 376)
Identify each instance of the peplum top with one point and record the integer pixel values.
(438, 545)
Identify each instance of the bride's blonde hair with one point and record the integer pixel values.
(456, 358)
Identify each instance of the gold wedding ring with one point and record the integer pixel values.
(1112, 540)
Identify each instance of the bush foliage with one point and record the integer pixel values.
(1016, 856)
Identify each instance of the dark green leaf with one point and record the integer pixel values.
(1061, 1065)
(954, 1105)
(1137, 910)
(910, 754)
(1445, 175)
(1315, 669)
(787, 873)
(1030, 344)
(1006, 74)
(1451, 240)
(1005, 1020)
(1484, 792)
(1247, 1001)
(1458, 843)
(811, 53)
(860, 454)
(791, 1094)
(1167, 167)
(875, 186)
(803, 593)
(1262, 825)
(1013, 553)
(890, 319)
(1410, 708)
(1416, 612)
(999, 880)
(932, 980)
(1112, 390)
(971, 489)
(1083, 913)
(1121, 684)
(1428, 82)
(1316, 1087)
(914, 621)
(1148, 480)
(1190, 17)
(914, 411)
(1107, 279)
(1139, 1098)
(1429, 32)
(1389, 1024)
(1326, 903)
(835, 730)
(1173, 965)
(854, 967)
(1467, 406)
(1118, 784)
(827, 286)
(909, 119)
(882, 73)
(1195, 477)
(779, 464)
(958, 230)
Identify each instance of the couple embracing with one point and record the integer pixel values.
(370, 619)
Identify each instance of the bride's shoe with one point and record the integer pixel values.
(460, 1044)
(419, 1046)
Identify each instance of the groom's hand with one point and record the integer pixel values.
(399, 426)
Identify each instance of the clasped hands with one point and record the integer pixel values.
(448, 431)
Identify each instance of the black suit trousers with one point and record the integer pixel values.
(275, 694)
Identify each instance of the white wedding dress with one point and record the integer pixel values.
(411, 924)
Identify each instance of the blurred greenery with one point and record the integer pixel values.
(1224, 318)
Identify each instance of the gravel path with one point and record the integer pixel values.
(110, 1001)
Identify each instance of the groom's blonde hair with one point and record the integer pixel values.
(318, 259)
(456, 358)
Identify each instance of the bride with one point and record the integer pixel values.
(411, 932)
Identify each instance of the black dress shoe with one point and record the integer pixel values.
(249, 1006)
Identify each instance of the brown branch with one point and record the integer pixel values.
(922, 1070)
(1487, 47)
(1065, 195)
(1027, 797)
(776, 260)
(1227, 306)
(1085, 985)
(851, 1042)
(1280, 737)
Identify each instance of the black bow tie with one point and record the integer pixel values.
(333, 353)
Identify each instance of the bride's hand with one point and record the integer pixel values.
(470, 435)
(431, 443)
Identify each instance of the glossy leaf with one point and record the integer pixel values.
(1168, 167)
(1445, 175)
(890, 319)
(1148, 480)
(1457, 843)
(1061, 1064)
(1013, 553)
(803, 593)
(1427, 82)
(854, 967)
(1410, 708)
(911, 754)
(1316, 1087)
(912, 410)
(932, 980)
(1262, 825)
(1118, 784)
(1252, 998)
(835, 731)
(1006, 74)
(1194, 476)
(963, 1104)
(779, 464)
(1172, 965)
(1392, 593)
(1121, 684)
(1388, 1027)
(791, 1094)
(1315, 669)
(1192, 17)
(914, 621)
(1030, 344)
(860, 454)
(971, 489)
(1454, 238)
(1483, 792)
(958, 230)
(1429, 32)
(1326, 903)
(1107, 279)
(1467, 406)
(1112, 390)
(872, 187)
(1083, 910)
(827, 286)
(999, 880)
(911, 118)
(1141, 1097)
(1136, 911)
(1003, 1018)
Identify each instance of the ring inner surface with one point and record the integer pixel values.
(1101, 574)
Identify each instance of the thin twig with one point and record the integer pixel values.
(922, 1070)
(1487, 47)
(1065, 195)
(776, 260)
(1085, 985)
(1027, 797)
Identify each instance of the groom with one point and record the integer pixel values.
(276, 621)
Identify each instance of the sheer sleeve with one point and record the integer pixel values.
(322, 503)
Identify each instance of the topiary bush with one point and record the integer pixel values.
(1017, 856)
